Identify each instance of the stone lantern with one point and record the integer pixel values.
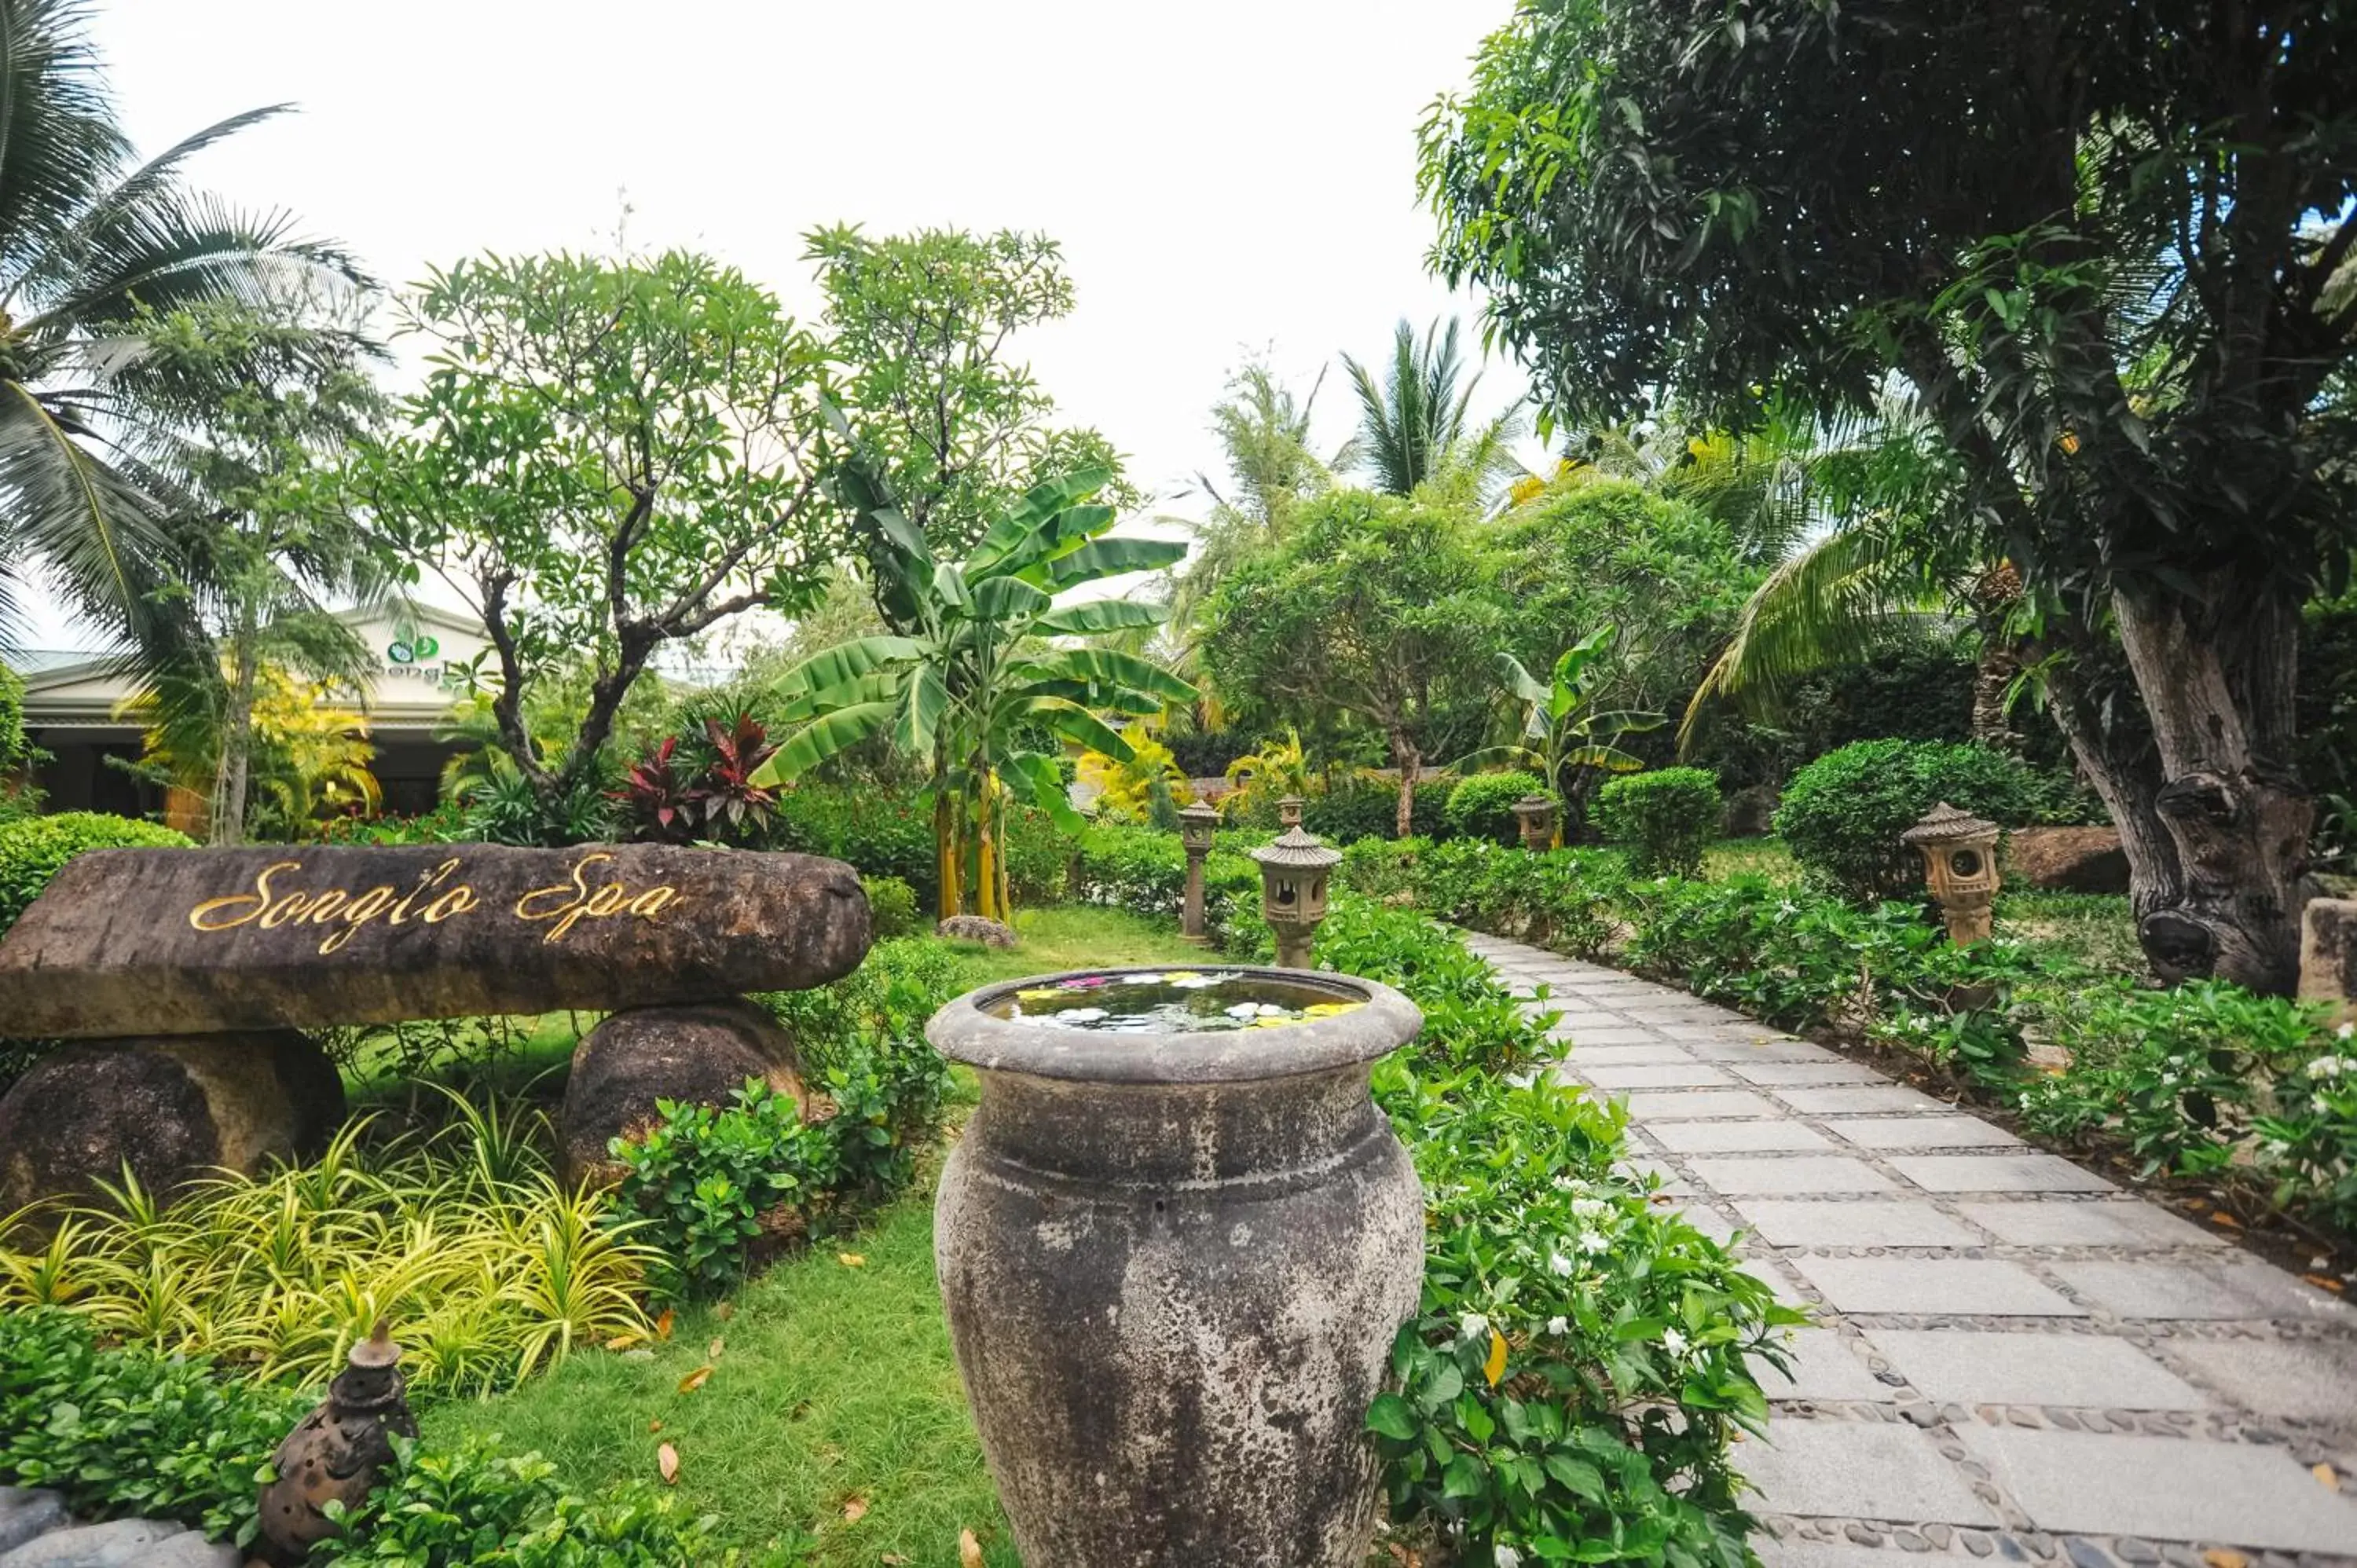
(1537, 815)
(1195, 825)
(1959, 852)
(1288, 811)
(336, 1452)
(1293, 873)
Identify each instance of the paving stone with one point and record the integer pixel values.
(1586, 1019)
(1800, 1551)
(1978, 1367)
(1657, 1053)
(1736, 1137)
(1685, 1074)
(1709, 1221)
(2096, 1223)
(2201, 1288)
(1689, 1013)
(1722, 1044)
(1857, 1470)
(1618, 1035)
(1806, 1074)
(1996, 1173)
(1640, 1167)
(1960, 1286)
(1799, 1173)
(2302, 1379)
(1670, 1105)
(1823, 1368)
(1903, 1222)
(190, 1550)
(1922, 1132)
(1877, 1099)
(120, 1543)
(2166, 1489)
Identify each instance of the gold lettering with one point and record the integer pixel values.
(259, 898)
(400, 915)
(578, 887)
(284, 910)
(653, 901)
(457, 901)
(359, 913)
(324, 907)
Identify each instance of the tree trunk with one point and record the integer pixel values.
(230, 777)
(1410, 763)
(2217, 669)
(1993, 677)
(946, 897)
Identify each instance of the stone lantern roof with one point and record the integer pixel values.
(1944, 824)
(1297, 851)
(1199, 812)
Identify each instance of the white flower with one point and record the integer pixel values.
(2346, 1031)
(1593, 1241)
(1589, 1207)
(2328, 1067)
(1674, 1342)
(1505, 1557)
(1472, 1325)
(1559, 1264)
(1244, 1010)
(1558, 1326)
(1788, 907)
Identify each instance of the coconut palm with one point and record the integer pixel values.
(95, 249)
(1414, 427)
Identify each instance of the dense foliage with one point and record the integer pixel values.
(1482, 806)
(2105, 257)
(1843, 813)
(1580, 1363)
(33, 849)
(124, 1432)
(1664, 820)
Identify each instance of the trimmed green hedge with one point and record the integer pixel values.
(1664, 819)
(1482, 806)
(34, 849)
(1843, 813)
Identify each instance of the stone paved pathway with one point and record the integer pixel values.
(2012, 1358)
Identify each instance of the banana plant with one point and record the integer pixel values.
(1561, 726)
(969, 666)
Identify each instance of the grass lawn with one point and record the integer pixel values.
(832, 1426)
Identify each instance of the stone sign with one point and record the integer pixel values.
(174, 941)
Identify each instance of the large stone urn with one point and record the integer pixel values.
(1175, 1244)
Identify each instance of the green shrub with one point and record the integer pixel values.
(887, 833)
(1482, 806)
(1664, 819)
(132, 1431)
(1360, 806)
(712, 1184)
(891, 907)
(33, 849)
(1843, 813)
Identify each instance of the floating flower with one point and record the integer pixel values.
(1330, 1009)
(1271, 1010)
(1270, 1022)
(1081, 983)
(1081, 1014)
(1244, 1010)
(1187, 980)
(1038, 993)
(1180, 977)
(1142, 979)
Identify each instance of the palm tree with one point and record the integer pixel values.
(95, 249)
(1412, 429)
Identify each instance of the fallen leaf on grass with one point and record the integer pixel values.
(851, 1259)
(695, 1379)
(653, 1426)
(725, 1311)
(664, 1324)
(2325, 1281)
(969, 1549)
(2228, 1220)
(667, 1465)
(854, 1510)
(893, 1560)
(623, 1341)
(2221, 1557)
(712, 1351)
(2326, 1476)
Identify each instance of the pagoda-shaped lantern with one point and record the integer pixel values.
(1288, 811)
(1535, 814)
(1293, 874)
(1959, 852)
(1196, 824)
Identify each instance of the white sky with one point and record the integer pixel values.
(1223, 175)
